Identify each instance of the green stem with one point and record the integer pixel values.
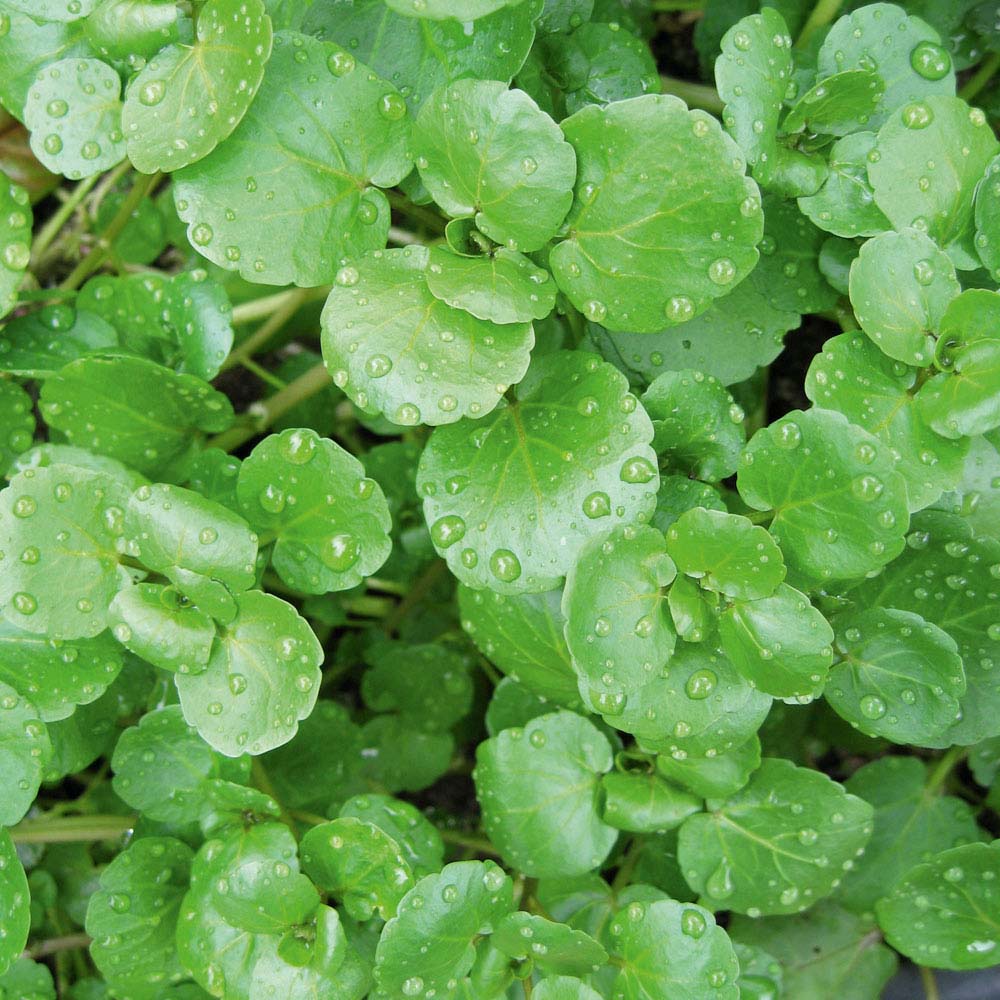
(822, 14)
(982, 76)
(929, 983)
(624, 874)
(945, 765)
(98, 254)
(260, 777)
(71, 829)
(414, 596)
(263, 374)
(311, 819)
(418, 213)
(403, 237)
(477, 844)
(287, 308)
(386, 586)
(258, 309)
(527, 987)
(676, 6)
(52, 946)
(58, 219)
(314, 380)
(695, 95)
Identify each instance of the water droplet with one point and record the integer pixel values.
(272, 499)
(447, 530)
(237, 683)
(595, 310)
(930, 61)
(392, 106)
(16, 256)
(202, 234)
(722, 271)
(872, 707)
(348, 276)
(529, 165)
(57, 108)
(25, 604)
(378, 366)
(693, 924)
(207, 535)
(537, 739)
(413, 986)
(679, 309)
(597, 505)
(701, 684)
(923, 271)
(152, 92)
(742, 41)
(505, 566)
(789, 435)
(637, 470)
(341, 63)
(917, 115)
(340, 552)
(719, 884)
(24, 507)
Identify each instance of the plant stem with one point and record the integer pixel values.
(257, 309)
(822, 14)
(945, 765)
(260, 777)
(286, 309)
(527, 987)
(52, 946)
(58, 219)
(929, 983)
(624, 874)
(89, 264)
(418, 213)
(264, 414)
(673, 6)
(473, 843)
(263, 374)
(403, 237)
(982, 76)
(414, 596)
(71, 829)
(695, 95)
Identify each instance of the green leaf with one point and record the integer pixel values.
(672, 949)
(911, 824)
(15, 238)
(693, 610)
(564, 988)
(502, 286)
(644, 803)
(900, 286)
(24, 754)
(162, 765)
(553, 947)
(398, 757)
(678, 494)
(697, 425)
(781, 644)
(164, 130)
(838, 105)
(38, 344)
(839, 505)
(53, 10)
(899, 677)
(853, 376)
(638, 263)
(54, 675)
(261, 680)
(74, 113)
(440, 10)
(618, 626)
(713, 777)
(132, 409)
(944, 913)
(904, 50)
(417, 838)
(229, 808)
(761, 976)
(776, 846)
(965, 398)
(467, 899)
(289, 209)
(987, 218)
(360, 864)
(726, 553)
(423, 360)
(538, 789)
(569, 405)
(489, 152)
(939, 202)
(522, 634)
(29, 980)
(82, 516)
(14, 903)
(823, 952)
(845, 205)
(133, 917)
(330, 523)
(18, 420)
(121, 28)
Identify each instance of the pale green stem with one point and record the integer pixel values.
(822, 14)
(982, 76)
(58, 219)
(694, 95)
(71, 829)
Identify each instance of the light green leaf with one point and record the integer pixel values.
(839, 505)
(456, 907)
(778, 845)
(698, 426)
(38, 344)
(678, 494)
(489, 152)
(289, 209)
(781, 644)
(538, 789)
(761, 975)
(618, 626)
(25, 751)
(30, 980)
(15, 238)
(502, 286)
(645, 803)
(639, 264)
(54, 675)
(329, 521)
(423, 360)
(564, 988)
(552, 947)
(132, 917)
(82, 517)
(440, 10)
(74, 113)
(726, 553)
(54, 10)
(571, 404)
(976, 496)
(672, 949)
(898, 677)
(853, 376)
(944, 913)
(230, 808)
(121, 28)
(693, 610)
(416, 836)
(262, 679)
(18, 421)
(987, 218)
(15, 909)
(165, 127)
(838, 105)
(713, 777)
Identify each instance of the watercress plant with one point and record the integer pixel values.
(485, 517)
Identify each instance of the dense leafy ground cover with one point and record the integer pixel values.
(489, 608)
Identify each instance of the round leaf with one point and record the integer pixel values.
(636, 263)
(166, 126)
(15, 241)
(776, 846)
(54, 10)
(489, 152)
(15, 903)
(439, 10)
(552, 947)
(572, 453)
(418, 839)
(987, 217)
(713, 777)
(564, 988)
(122, 28)
(838, 105)
(38, 344)
(422, 360)
(645, 803)
(261, 680)
(24, 753)
(538, 789)
(18, 419)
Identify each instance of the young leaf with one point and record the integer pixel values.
(54, 10)
(24, 754)
(330, 523)
(713, 777)
(422, 360)
(564, 988)
(778, 845)
(122, 28)
(944, 913)
(261, 680)
(489, 152)
(439, 10)
(398, 757)
(164, 130)
(570, 405)
(38, 344)
(899, 677)
(678, 494)
(761, 975)
(456, 907)
(839, 505)
(416, 836)
(645, 263)
(547, 821)
(290, 210)
(838, 105)
(987, 219)
(644, 803)
(15, 902)
(552, 947)
(694, 611)
(15, 239)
